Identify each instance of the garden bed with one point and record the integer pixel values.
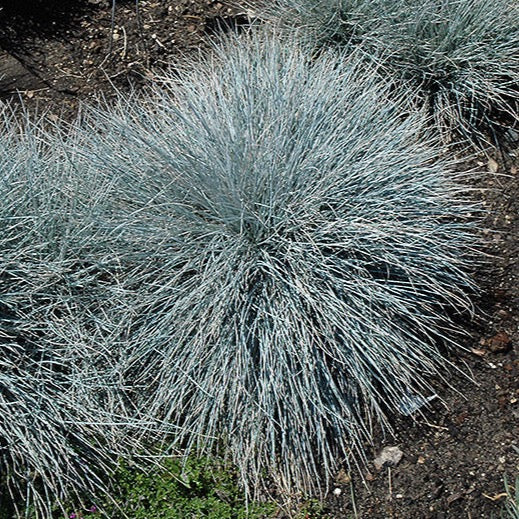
(55, 55)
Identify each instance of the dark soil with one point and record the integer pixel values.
(54, 54)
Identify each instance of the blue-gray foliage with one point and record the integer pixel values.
(325, 22)
(291, 245)
(511, 506)
(460, 58)
(57, 434)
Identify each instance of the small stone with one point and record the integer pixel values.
(493, 166)
(343, 477)
(454, 497)
(337, 492)
(499, 343)
(388, 457)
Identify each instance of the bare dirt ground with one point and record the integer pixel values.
(55, 54)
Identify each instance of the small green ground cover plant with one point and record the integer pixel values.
(197, 488)
(458, 58)
(291, 242)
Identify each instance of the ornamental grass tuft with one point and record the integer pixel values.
(458, 58)
(58, 435)
(511, 507)
(462, 58)
(324, 22)
(292, 245)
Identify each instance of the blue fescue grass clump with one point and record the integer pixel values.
(57, 434)
(511, 507)
(459, 58)
(325, 22)
(462, 57)
(292, 245)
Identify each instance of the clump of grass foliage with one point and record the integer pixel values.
(511, 507)
(57, 432)
(291, 244)
(460, 58)
(463, 59)
(324, 22)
